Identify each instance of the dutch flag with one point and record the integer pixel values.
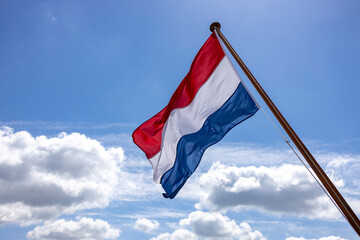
(209, 101)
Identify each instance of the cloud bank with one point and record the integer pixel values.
(284, 189)
(146, 225)
(217, 226)
(211, 225)
(179, 234)
(84, 229)
(42, 178)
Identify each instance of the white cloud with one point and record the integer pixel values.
(85, 228)
(163, 236)
(146, 225)
(42, 178)
(343, 169)
(49, 13)
(240, 154)
(205, 225)
(342, 166)
(179, 234)
(51, 16)
(284, 189)
(135, 181)
(323, 238)
(341, 161)
(216, 226)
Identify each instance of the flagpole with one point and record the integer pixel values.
(330, 187)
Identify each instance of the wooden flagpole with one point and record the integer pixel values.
(330, 187)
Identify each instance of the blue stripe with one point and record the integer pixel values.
(191, 147)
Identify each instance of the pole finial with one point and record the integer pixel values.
(215, 25)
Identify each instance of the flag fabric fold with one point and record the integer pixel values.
(209, 101)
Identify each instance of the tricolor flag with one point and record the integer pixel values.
(209, 101)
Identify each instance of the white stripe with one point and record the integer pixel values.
(209, 98)
(226, 54)
(154, 160)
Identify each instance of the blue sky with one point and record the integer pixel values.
(98, 69)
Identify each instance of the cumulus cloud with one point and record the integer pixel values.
(42, 178)
(146, 225)
(342, 168)
(283, 189)
(211, 225)
(217, 226)
(85, 228)
(239, 154)
(179, 234)
(323, 238)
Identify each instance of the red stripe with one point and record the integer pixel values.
(148, 135)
